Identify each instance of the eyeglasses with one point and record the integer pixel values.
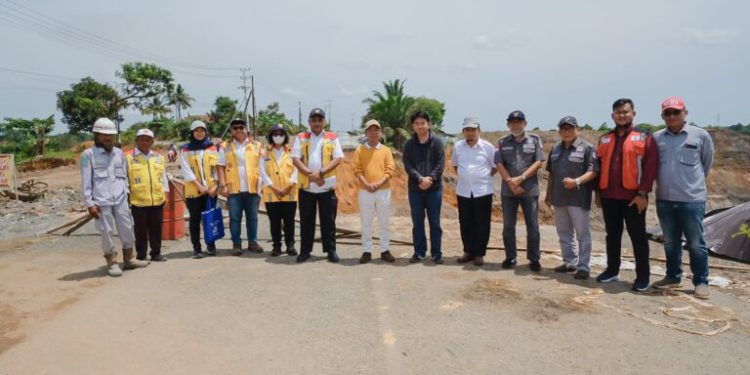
(670, 113)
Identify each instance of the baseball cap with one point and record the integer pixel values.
(673, 102)
(317, 112)
(238, 121)
(516, 115)
(145, 132)
(471, 122)
(372, 122)
(197, 124)
(567, 120)
(277, 127)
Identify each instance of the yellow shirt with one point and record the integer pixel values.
(374, 163)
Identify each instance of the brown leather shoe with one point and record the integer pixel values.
(253, 247)
(365, 258)
(478, 261)
(236, 250)
(466, 258)
(387, 257)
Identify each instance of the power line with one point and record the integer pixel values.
(25, 72)
(27, 18)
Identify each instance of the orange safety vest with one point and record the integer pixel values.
(329, 145)
(633, 149)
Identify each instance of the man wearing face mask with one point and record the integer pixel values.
(629, 162)
(316, 154)
(105, 191)
(279, 176)
(519, 157)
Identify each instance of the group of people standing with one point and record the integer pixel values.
(619, 172)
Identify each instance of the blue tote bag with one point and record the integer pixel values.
(213, 222)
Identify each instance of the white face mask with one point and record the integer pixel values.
(278, 139)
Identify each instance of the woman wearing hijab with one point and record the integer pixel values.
(279, 177)
(199, 158)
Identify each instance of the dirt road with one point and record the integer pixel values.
(61, 314)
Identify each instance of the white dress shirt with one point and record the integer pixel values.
(278, 153)
(475, 165)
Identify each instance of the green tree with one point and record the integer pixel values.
(142, 83)
(180, 100)
(30, 136)
(432, 107)
(604, 127)
(224, 110)
(391, 107)
(86, 101)
(271, 116)
(156, 108)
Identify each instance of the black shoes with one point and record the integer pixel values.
(534, 266)
(332, 257)
(466, 258)
(415, 259)
(509, 264)
(581, 275)
(158, 258)
(564, 268)
(275, 252)
(291, 251)
(303, 256)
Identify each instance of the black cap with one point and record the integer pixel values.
(317, 112)
(277, 127)
(238, 121)
(516, 115)
(567, 120)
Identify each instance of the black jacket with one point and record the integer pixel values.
(423, 160)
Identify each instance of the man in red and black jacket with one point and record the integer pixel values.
(629, 162)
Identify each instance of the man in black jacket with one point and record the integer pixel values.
(424, 159)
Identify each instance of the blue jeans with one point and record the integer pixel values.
(430, 201)
(530, 206)
(247, 203)
(678, 219)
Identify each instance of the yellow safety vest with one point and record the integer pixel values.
(280, 173)
(252, 166)
(146, 178)
(210, 157)
(329, 145)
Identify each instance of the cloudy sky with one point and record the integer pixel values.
(481, 58)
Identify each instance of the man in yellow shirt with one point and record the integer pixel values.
(147, 177)
(373, 167)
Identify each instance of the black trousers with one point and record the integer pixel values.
(474, 216)
(326, 204)
(195, 207)
(279, 212)
(615, 212)
(147, 223)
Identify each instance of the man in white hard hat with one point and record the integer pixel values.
(105, 191)
(147, 178)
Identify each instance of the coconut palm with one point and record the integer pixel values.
(180, 100)
(392, 108)
(156, 108)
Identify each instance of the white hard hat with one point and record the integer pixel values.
(104, 126)
(145, 132)
(198, 124)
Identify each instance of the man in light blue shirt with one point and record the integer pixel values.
(685, 157)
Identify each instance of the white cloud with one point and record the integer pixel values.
(289, 91)
(353, 92)
(484, 42)
(707, 37)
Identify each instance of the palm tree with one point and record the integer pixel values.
(156, 108)
(391, 108)
(180, 100)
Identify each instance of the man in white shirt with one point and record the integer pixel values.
(316, 154)
(473, 161)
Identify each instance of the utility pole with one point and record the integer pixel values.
(244, 88)
(329, 113)
(255, 112)
(299, 112)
